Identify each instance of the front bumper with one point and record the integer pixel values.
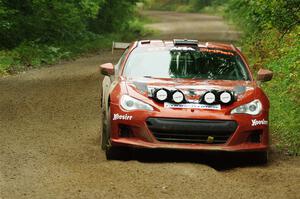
(203, 130)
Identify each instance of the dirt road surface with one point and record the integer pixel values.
(193, 26)
(49, 144)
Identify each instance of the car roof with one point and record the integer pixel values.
(169, 43)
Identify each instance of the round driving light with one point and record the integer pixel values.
(178, 96)
(225, 97)
(161, 95)
(209, 97)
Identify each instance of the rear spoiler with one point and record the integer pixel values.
(119, 46)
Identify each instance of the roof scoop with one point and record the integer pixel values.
(186, 42)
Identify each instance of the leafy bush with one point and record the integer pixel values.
(37, 32)
(114, 16)
(272, 40)
(257, 15)
(6, 61)
(44, 21)
(284, 91)
(30, 55)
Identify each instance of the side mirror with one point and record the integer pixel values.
(107, 69)
(264, 75)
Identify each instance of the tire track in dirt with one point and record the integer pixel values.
(49, 146)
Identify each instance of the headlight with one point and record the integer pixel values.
(252, 108)
(130, 103)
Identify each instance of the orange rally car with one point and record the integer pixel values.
(183, 94)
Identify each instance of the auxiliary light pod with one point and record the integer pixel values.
(213, 97)
(226, 97)
(162, 95)
(210, 97)
(178, 96)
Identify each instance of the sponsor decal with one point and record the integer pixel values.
(193, 106)
(256, 122)
(122, 117)
(217, 51)
(183, 48)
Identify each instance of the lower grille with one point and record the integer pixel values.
(191, 131)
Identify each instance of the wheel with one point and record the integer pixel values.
(104, 139)
(104, 131)
(111, 152)
(262, 157)
(118, 153)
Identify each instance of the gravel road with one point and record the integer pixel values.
(49, 139)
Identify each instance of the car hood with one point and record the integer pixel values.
(192, 89)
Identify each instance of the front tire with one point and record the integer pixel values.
(111, 152)
(104, 131)
(118, 153)
(259, 157)
(262, 157)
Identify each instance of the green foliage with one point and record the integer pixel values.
(37, 32)
(33, 55)
(284, 91)
(257, 15)
(114, 16)
(272, 41)
(44, 21)
(6, 61)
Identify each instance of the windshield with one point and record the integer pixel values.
(184, 62)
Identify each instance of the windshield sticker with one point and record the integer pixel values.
(259, 122)
(183, 48)
(216, 51)
(193, 106)
(122, 117)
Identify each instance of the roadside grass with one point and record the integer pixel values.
(284, 93)
(282, 56)
(31, 55)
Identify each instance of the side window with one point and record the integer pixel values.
(121, 60)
